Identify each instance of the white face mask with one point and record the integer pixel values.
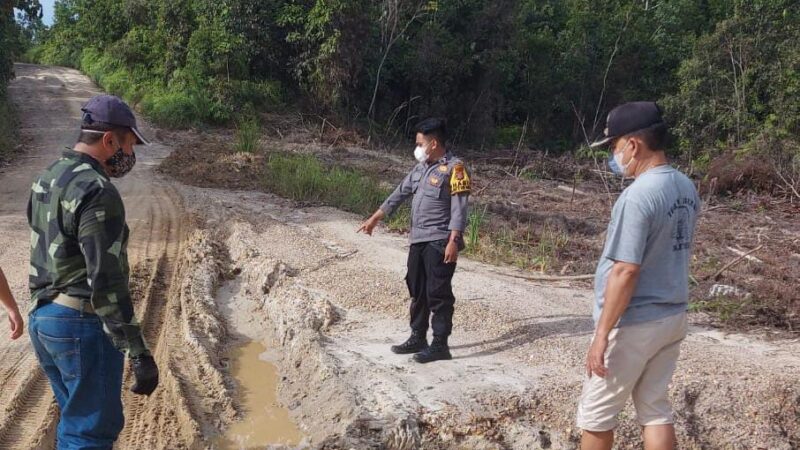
(420, 154)
(623, 168)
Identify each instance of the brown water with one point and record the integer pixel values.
(265, 421)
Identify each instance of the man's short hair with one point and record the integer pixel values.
(654, 137)
(89, 135)
(433, 127)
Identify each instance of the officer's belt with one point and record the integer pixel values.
(74, 303)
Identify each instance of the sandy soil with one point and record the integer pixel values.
(213, 267)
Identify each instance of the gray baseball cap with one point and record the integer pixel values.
(112, 110)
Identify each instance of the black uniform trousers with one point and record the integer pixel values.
(429, 282)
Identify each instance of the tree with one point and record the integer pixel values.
(740, 85)
(13, 35)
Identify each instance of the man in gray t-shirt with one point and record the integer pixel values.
(641, 284)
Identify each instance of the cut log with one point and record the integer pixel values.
(561, 187)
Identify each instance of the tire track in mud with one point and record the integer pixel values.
(31, 408)
(151, 421)
(31, 413)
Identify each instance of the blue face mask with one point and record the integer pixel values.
(612, 164)
(615, 162)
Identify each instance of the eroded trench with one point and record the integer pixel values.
(287, 282)
(253, 329)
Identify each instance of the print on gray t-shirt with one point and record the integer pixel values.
(652, 225)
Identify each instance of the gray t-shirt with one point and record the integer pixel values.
(652, 225)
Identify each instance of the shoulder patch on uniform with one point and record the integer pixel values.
(443, 168)
(459, 180)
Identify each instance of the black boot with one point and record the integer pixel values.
(416, 343)
(436, 352)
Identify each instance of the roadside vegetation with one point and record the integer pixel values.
(16, 23)
(304, 178)
(8, 129)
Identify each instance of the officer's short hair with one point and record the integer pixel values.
(433, 127)
(654, 137)
(91, 138)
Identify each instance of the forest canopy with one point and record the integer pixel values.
(727, 72)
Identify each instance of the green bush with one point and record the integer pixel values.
(475, 223)
(107, 73)
(261, 94)
(248, 134)
(8, 128)
(507, 136)
(33, 55)
(61, 48)
(400, 221)
(171, 109)
(181, 103)
(305, 178)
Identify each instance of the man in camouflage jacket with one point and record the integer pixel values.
(82, 320)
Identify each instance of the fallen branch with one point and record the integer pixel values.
(552, 277)
(738, 252)
(329, 260)
(790, 185)
(517, 170)
(480, 191)
(734, 262)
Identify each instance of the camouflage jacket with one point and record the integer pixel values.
(79, 245)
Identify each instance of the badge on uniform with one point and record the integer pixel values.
(459, 180)
(434, 180)
(443, 168)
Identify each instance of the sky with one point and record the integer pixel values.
(47, 9)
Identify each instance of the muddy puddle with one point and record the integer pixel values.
(265, 422)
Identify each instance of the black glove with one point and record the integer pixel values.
(146, 373)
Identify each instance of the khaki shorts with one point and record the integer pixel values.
(641, 359)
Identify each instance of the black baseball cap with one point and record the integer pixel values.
(629, 118)
(112, 110)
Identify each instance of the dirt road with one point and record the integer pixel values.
(49, 100)
(214, 267)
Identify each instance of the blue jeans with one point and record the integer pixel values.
(85, 372)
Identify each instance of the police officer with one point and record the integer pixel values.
(82, 322)
(440, 187)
